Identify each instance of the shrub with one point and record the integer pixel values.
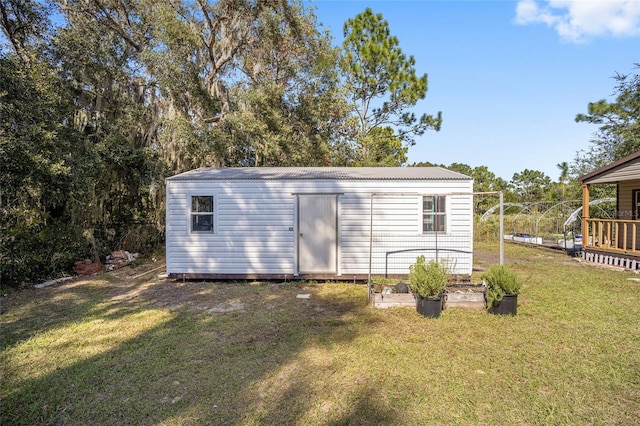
(31, 254)
(500, 280)
(427, 279)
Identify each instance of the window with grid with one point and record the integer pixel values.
(434, 213)
(202, 213)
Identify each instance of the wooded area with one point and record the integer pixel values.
(101, 100)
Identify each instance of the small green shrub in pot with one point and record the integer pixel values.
(501, 280)
(427, 279)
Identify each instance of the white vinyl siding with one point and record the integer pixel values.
(256, 224)
(252, 230)
(397, 230)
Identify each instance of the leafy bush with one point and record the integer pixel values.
(142, 239)
(35, 253)
(500, 280)
(31, 254)
(427, 279)
(488, 230)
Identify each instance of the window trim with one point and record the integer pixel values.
(445, 213)
(212, 213)
(635, 198)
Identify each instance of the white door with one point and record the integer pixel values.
(317, 234)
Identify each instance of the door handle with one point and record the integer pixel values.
(301, 234)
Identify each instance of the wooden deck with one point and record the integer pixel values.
(612, 235)
(612, 242)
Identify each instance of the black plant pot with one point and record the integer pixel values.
(507, 306)
(429, 307)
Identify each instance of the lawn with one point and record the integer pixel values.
(114, 350)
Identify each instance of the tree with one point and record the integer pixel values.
(424, 164)
(37, 147)
(618, 134)
(465, 169)
(619, 121)
(381, 82)
(585, 162)
(290, 109)
(100, 108)
(483, 181)
(564, 176)
(117, 165)
(385, 149)
(25, 24)
(531, 185)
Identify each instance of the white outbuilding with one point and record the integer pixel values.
(315, 222)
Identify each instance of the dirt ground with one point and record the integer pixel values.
(145, 283)
(213, 296)
(483, 259)
(196, 295)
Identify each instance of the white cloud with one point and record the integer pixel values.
(579, 20)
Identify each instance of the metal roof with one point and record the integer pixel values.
(320, 173)
(627, 168)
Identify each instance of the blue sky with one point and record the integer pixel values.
(508, 76)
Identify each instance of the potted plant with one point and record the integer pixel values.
(502, 290)
(428, 281)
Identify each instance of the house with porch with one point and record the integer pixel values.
(614, 241)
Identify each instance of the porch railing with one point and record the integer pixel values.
(613, 235)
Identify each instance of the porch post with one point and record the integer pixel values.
(585, 214)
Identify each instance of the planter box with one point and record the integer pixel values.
(466, 296)
(392, 300)
(464, 300)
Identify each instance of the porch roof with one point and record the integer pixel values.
(627, 168)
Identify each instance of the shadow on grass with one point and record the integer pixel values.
(258, 364)
(34, 311)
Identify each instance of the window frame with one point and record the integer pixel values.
(635, 204)
(441, 210)
(193, 214)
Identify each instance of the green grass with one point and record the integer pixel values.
(108, 350)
